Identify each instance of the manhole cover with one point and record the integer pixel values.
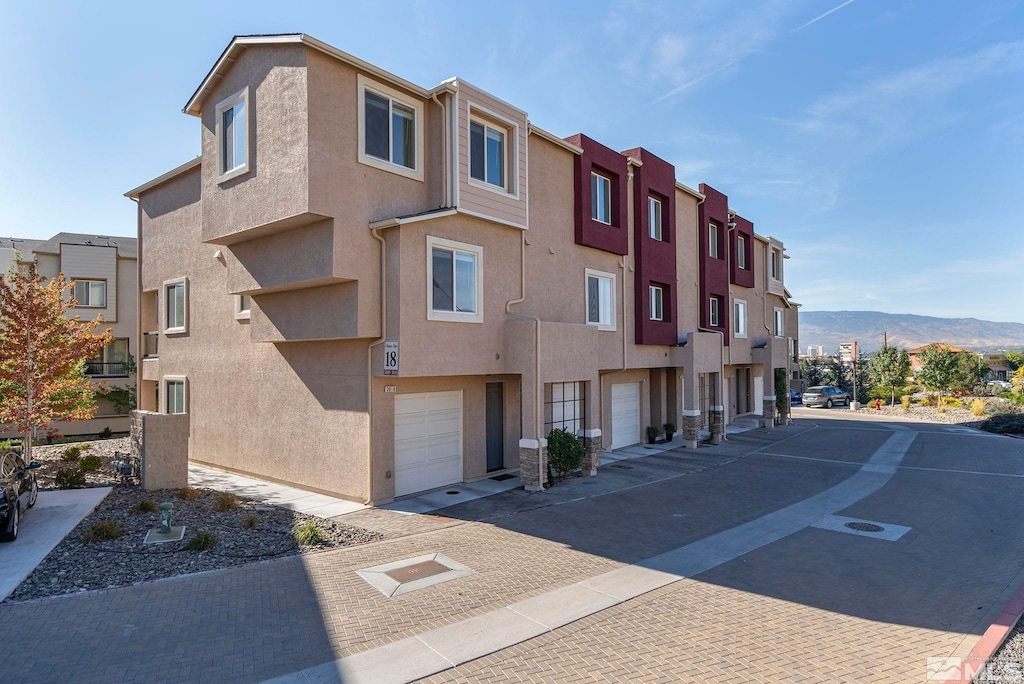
(865, 527)
(417, 571)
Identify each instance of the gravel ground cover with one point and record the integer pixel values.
(1007, 665)
(953, 415)
(49, 458)
(247, 533)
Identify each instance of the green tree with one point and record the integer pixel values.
(939, 369)
(890, 368)
(1015, 359)
(812, 371)
(970, 370)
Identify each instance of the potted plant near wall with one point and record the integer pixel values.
(565, 453)
(670, 430)
(652, 434)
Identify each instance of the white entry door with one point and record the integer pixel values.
(428, 441)
(625, 414)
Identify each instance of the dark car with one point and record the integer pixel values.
(825, 395)
(18, 492)
(795, 397)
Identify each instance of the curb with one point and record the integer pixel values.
(972, 665)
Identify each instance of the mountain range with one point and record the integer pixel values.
(870, 328)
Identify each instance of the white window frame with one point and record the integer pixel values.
(240, 313)
(164, 396)
(508, 130)
(590, 273)
(455, 316)
(224, 105)
(416, 172)
(608, 180)
(175, 330)
(779, 322)
(741, 252)
(80, 305)
(651, 202)
(713, 232)
(657, 303)
(775, 264)
(739, 314)
(714, 315)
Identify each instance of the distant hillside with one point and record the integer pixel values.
(829, 328)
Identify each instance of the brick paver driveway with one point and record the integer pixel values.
(813, 605)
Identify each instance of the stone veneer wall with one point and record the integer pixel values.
(161, 441)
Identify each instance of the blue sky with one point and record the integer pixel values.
(881, 141)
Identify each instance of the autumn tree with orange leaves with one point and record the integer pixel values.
(43, 354)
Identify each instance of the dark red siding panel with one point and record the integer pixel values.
(742, 276)
(606, 161)
(714, 273)
(655, 259)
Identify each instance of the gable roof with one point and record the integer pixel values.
(20, 244)
(127, 247)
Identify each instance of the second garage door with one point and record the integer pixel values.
(428, 441)
(625, 414)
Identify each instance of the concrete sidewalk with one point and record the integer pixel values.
(43, 527)
(282, 495)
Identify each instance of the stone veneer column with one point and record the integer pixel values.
(592, 444)
(716, 415)
(691, 427)
(784, 418)
(533, 464)
(768, 411)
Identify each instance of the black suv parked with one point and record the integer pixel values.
(18, 492)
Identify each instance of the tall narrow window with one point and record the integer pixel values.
(775, 265)
(600, 198)
(455, 286)
(741, 252)
(739, 315)
(174, 394)
(174, 306)
(390, 130)
(654, 218)
(713, 241)
(91, 293)
(780, 323)
(657, 303)
(487, 154)
(600, 300)
(233, 135)
(713, 317)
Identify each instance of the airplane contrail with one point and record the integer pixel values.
(820, 17)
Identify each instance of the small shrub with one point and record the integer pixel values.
(250, 521)
(905, 402)
(106, 433)
(189, 494)
(69, 478)
(307, 533)
(652, 434)
(1005, 424)
(225, 501)
(201, 541)
(978, 407)
(953, 402)
(670, 429)
(71, 454)
(147, 506)
(565, 453)
(6, 445)
(999, 406)
(103, 530)
(90, 464)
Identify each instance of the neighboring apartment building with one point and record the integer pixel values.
(370, 288)
(104, 270)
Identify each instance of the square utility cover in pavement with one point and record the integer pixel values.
(401, 577)
(863, 528)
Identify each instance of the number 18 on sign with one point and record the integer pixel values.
(391, 357)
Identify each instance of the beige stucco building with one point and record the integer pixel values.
(104, 271)
(370, 288)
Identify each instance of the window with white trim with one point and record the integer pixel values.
(654, 218)
(713, 240)
(175, 305)
(600, 198)
(487, 153)
(739, 315)
(232, 130)
(243, 306)
(454, 281)
(776, 264)
(91, 293)
(601, 299)
(780, 323)
(657, 303)
(564, 407)
(174, 395)
(390, 130)
(713, 317)
(741, 252)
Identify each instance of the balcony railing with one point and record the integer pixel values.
(104, 369)
(150, 345)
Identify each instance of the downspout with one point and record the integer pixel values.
(538, 386)
(369, 359)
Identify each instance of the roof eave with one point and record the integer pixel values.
(176, 171)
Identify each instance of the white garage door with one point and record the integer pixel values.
(625, 414)
(428, 441)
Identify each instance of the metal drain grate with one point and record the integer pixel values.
(865, 527)
(503, 477)
(452, 491)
